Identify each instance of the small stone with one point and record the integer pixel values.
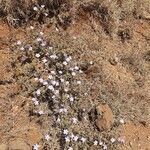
(105, 117)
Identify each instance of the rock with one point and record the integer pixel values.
(105, 117)
(18, 144)
(3, 147)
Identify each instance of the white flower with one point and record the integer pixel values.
(39, 39)
(53, 72)
(95, 142)
(30, 48)
(35, 8)
(19, 43)
(57, 29)
(61, 110)
(74, 120)
(62, 80)
(43, 44)
(65, 132)
(42, 6)
(91, 62)
(47, 137)
(121, 140)
(36, 79)
(60, 72)
(65, 63)
(38, 92)
(75, 138)
(22, 48)
(58, 120)
(66, 89)
(50, 77)
(83, 139)
(41, 112)
(53, 56)
(100, 143)
(53, 82)
(68, 58)
(50, 47)
(73, 73)
(46, 14)
(56, 92)
(37, 55)
(85, 94)
(72, 136)
(41, 33)
(41, 80)
(70, 148)
(67, 139)
(44, 60)
(45, 83)
(112, 140)
(71, 99)
(50, 87)
(122, 121)
(80, 71)
(67, 82)
(76, 68)
(31, 27)
(104, 146)
(71, 69)
(36, 147)
(53, 97)
(36, 102)
(57, 84)
(65, 110)
(78, 82)
(67, 95)
(74, 37)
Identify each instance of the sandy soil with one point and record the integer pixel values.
(120, 77)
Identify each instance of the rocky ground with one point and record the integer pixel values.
(102, 68)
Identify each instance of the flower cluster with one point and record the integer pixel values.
(57, 86)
